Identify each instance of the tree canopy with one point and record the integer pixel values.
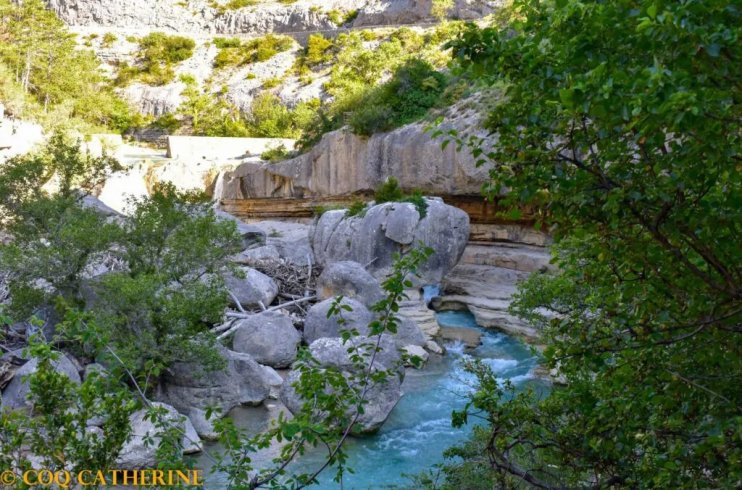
(619, 123)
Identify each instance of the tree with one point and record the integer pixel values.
(618, 122)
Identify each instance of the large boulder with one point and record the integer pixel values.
(390, 228)
(317, 324)
(253, 289)
(351, 280)
(252, 236)
(140, 450)
(16, 392)
(334, 352)
(269, 337)
(291, 240)
(381, 397)
(191, 389)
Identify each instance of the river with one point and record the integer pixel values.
(419, 428)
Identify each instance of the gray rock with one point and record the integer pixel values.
(408, 333)
(15, 394)
(270, 338)
(317, 325)
(140, 451)
(188, 386)
(291, 240)
(254, 288)
(252, 236)
(401, 224)
(351, 280)
(95, 204)
(333, 352)
(369, 239)
(266, 254)
(381, 397)
(417, 351)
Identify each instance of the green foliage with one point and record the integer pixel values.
(273, 82)
(618, 124)
(232, 53)
(108, 39)
(210, 115)
(441, 8)
(269, 118)
(48, 78)
(356, 208)
(61, 408)
(341, 18)
(406, 57)
(167, 122)
(317, 49)
(390, 191)
(413, 90)
(153, 309)
(158, 53)
(276, 154)
(223, 43)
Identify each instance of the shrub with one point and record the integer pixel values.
(413, 90)
(233, 53)
(158, 54)
(389, 191)
(276, 154)
(160, 48)
(272, 82)
(224, 42)
(108, 39)
(356, 208)
(317, 49)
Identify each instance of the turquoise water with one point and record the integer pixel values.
(419, 428)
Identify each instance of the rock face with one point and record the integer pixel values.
(383, 12)
(303, 15)
(317, 325)
(253, 289)
(140, 451)
(15, 393)
(382, 397)
(343, 163)
(351, 280)
(485, 281)
(391, 228)
(191, 389)
(198, 15)
(270, 338)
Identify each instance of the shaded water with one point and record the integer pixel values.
(419, 428)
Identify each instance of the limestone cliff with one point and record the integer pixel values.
(344, 163)
(201, 16)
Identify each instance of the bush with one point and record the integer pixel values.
(276, 154)
(234, 53)
(223, 42)
(356, 208)
(272, 82)
(317, 49)
(158, 54)
(108, 39)
(413, 90)
(390, 191)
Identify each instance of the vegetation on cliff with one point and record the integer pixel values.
(43, 76)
